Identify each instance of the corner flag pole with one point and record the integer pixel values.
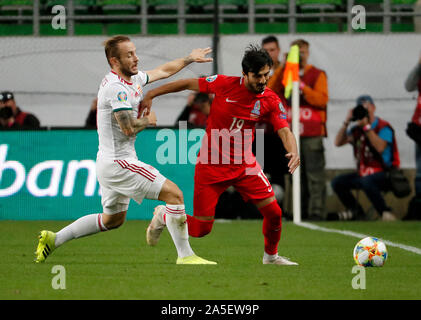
(291, 82)
(296, 181)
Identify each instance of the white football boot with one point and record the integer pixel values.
(279, 260)
(156, 226)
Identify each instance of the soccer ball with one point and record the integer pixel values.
(370, 252)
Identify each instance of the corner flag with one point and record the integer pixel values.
(291, 81)
(291, 70)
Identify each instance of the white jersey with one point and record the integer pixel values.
(116, 94)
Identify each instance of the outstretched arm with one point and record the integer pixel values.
(175, 86)
(290, 145)
(168, 69)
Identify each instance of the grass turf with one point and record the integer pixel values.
(119, 265)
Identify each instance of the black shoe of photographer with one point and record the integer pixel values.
(347, 215)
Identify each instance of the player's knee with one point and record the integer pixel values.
(277, 220)
(176, 196)
(171, 193)
(114, 224)
(114, 221)
(272, 213)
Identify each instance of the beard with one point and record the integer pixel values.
(127, 71)
(258, 88)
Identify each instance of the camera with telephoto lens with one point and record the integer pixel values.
(359, 112)
(6, 113)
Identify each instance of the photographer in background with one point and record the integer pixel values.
(7, 121)
(90, 122)
(197, 110)
(375, 151)
(18, 118)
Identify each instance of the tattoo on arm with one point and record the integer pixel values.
(128, 124)
(124, 119)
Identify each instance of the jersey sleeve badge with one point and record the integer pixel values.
(282, 109)
(255, 113)
(211, 78)
(122, 96)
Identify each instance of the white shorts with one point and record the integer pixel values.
(122, 180)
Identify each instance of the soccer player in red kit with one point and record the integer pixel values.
(225, 158)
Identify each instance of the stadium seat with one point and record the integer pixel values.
(199, 28)
(401, 5)
(311, 27)
(17, 8)
(80, 6)
(119, 2)
(51, 3)
(408, 2)
(271, 27)
(234, 28)
(17, 3)
(321, 5)
(76, 3)
(45, 29)
(368, 2)
(403, 27)
(123, 28)
(16, 29)
(270, 5)
(372, 27)
(270, 2)
(224, 28)
(88, 29)
(164, 3)
(162, 6)
(119, 6)
(156, 27)
(319, 2)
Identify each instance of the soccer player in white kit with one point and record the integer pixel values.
(121, 174)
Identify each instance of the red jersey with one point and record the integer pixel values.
(235, 111)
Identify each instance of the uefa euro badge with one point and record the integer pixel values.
(211, 78)
(282, 109)
(256, 110)
(122, 96)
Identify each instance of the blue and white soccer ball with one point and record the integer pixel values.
(370, 252)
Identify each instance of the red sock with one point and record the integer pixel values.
(199, 228)
(272, 226)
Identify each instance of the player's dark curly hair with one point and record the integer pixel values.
(255, 58)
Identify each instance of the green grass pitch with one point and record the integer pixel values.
(119, 265)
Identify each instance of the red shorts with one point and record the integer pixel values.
(252, 187)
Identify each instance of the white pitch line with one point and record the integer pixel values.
(358, 235)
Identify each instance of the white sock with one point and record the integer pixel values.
(175, 218)
(269, 256)
(83, 226)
